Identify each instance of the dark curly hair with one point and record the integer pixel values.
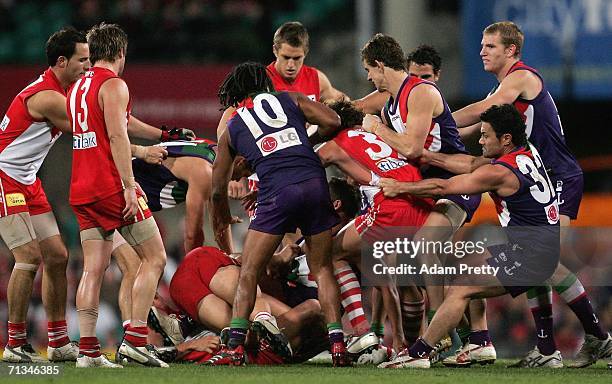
(506, 118)
(243, 81)
(426, 54)
(349, 115)
(340, 189)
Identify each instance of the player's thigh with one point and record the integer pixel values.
(258, 249)
(96, 255)
(214, 312)
(224, 282)
(346, 245)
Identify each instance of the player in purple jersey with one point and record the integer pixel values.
(524, 87)
(270, 132)
(417, 118)
(517, 177)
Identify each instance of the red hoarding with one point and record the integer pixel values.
(176, 95)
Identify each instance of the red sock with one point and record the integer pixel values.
(58, 333)
(137, 336)
(89, 346)
(350, 296)
(17, 334)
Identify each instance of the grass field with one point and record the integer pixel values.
(321, 374)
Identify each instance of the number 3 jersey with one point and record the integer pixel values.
(271, 135)
(94, 174)
(535, 202)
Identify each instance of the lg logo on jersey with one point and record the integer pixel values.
(278, 140)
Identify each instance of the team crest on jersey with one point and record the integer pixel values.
(5, 122)
(389, 164)
(15, 199)
(552, 212)
(84, 140)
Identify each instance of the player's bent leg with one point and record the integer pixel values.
(96, 245)
(19, 236)
(128, 262)
(257, 251)
(144, 237)
(319, 262)
(214, 312)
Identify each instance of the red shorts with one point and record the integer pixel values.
(16, 197)
(107, 213)
(386, 215)
(191, 281)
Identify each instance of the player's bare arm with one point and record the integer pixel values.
(517, 84)
(425, 102)
(222, 127)
(51, 106)
(222, 172)
(457, 163)
(486, 178)
(327, 91)
(332, 153)
(372, 103)
(198, 174)
(470, 132)
(319, 114)
(152, 154)
(113, 98)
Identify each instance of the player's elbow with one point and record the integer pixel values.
(329, 127)
(411, 152)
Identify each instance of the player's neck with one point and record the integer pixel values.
(395, 80)
(113, 67)
(503, 72)
(64, 83)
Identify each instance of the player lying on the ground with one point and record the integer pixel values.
(204, 287)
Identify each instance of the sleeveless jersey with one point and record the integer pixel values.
(535, 202)
(306, 81)
(94, 174)
(162, 187)
(25, 141)
(379, 158)
(544, 130)
(272, 136)
(443, 136)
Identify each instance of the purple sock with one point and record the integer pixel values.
(420, 349)
(584, 311)
(542, 315)
(481, 338)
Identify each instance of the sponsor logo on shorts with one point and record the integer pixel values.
(15, 199)
(84, 140)
(277, 141)
(5, 122)
(142, 203)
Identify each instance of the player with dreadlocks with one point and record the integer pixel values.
(269, 130)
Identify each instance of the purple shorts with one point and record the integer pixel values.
(569, 194)
(305, 205)
(469, 203)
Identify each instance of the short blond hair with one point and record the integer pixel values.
(510, 34)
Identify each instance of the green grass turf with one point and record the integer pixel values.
(321, 374)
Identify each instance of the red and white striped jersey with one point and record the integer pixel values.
(25, 141)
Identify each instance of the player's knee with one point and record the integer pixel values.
(28, 253)
(56, 258)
